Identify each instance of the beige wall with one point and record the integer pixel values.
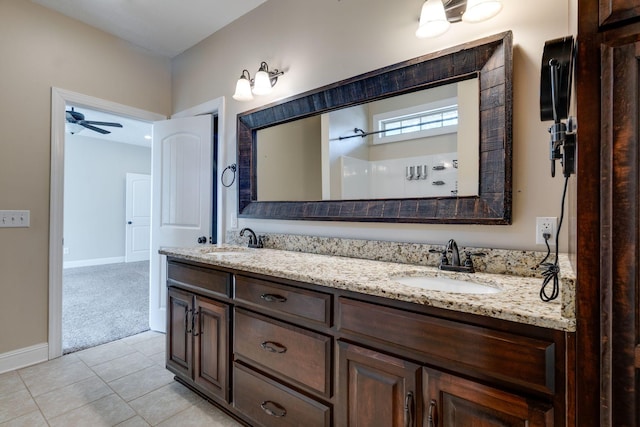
(40, 49)
(289, 161)
(320, 42)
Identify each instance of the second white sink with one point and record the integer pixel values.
(225, 250)
(444, 284)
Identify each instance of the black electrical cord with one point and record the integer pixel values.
(551, 271)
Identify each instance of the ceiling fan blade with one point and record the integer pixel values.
(93, 128)
(91, 122)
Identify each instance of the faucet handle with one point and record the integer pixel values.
(468, 261)
(260, 242)
(443, 255)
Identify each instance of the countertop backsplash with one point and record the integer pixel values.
(495, 261)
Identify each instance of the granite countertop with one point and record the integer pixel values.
(518, 300)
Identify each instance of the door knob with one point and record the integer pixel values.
(202, 239)
(129, 222)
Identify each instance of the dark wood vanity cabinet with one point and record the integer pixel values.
(402, 393)
(301, 354)
(401, 371)
(197, 336)
(377, 389)
(283, 354)
(453, 401)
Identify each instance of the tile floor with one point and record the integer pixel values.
(123, 383)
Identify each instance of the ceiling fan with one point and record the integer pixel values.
(76, 118)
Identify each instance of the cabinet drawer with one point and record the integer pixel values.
(294, 353)
(268, 403)
(300, 303)
(197, 278)
(528, 362)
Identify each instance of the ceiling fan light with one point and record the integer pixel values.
(73, 128)
(481, 10)
(243, 89)
(433, 20)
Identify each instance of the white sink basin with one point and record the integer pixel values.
(228, 253)
(445, 284)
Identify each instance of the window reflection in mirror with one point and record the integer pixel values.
(401, 147)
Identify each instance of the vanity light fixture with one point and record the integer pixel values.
(262, 84)
(437, 15)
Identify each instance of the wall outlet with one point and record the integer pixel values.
(549, 225)
(234, 221)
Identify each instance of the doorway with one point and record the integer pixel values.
(105, 276)
(59, 99)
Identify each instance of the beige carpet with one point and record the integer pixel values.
(104, 303)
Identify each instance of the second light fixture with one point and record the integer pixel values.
(262, 84)
(437, 15)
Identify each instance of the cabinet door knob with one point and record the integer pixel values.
(273, 347)
(273, 409)
(408, 410)
(273, 298)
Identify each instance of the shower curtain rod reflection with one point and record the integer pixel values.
(359, 133)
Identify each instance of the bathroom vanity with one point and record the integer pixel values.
(289, 339)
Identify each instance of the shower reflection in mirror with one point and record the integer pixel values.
(399, 147)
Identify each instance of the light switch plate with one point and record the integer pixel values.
(14, 219)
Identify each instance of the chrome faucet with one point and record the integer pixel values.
(254, 241)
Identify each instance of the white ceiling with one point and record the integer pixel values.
(166, 27)
(131, 132)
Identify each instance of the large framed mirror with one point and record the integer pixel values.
(428, 140)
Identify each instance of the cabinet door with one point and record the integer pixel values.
(451, 401)
(376, 389)
(616, 11)
(179, 346)
(620, 241)
(210, 346)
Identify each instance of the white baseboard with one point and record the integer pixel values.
(94, 261)
(24, 357)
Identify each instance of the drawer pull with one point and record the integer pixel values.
(273, 347)
(433, 414)
(273, 298)
(278, 411)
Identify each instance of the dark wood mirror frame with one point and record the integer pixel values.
(490, 59)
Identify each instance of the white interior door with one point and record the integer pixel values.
(181, 197)
(138, 217)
